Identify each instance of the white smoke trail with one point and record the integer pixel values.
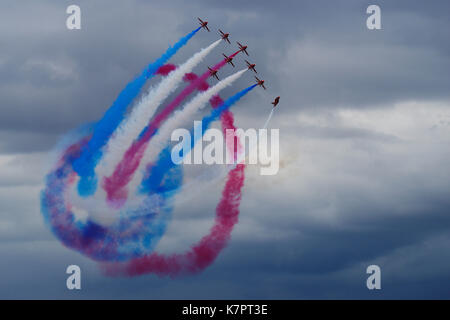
(241, 158)
(268, 119)
(207, 180)
(159, 141)
(124, 136)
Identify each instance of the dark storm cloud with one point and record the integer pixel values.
(24, 141)
(313, 53)
(360, 196)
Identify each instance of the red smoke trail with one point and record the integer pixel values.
(202, 254)
(165, 69)
(234, 146)
(115, 185)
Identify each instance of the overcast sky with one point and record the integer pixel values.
(364, 123)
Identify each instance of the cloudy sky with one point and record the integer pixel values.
(364, 123)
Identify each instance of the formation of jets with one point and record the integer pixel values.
(242, 48)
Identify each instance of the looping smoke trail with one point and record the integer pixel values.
(165, 163)
(233, 145)
(142, 112)
(215, 114)
(126, 242)
(268, 119)
(190, 189)
(176, 121)
(114, 185)
(202, 254)
(243, 155)
(84, 165)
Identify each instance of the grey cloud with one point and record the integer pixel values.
(347, 195)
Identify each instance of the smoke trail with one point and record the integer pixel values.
(157, 172)
(115, 184)
(176, 121)
(202, 254)
(127, 241)
(91, 153)
(165, 164)
(242, 156)
(166, 69)
(268, 119)
(205, 178)
(234, 147)
(141, 114)
(216, 113)
(122, 240)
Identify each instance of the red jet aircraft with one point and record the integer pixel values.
(225, 36)
(228, 59)
(204, 24)
(251, 66)
(242, 48)
(260, 82)
(213, 73)
(275, 102)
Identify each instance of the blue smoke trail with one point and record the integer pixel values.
(91, 153)
(115, 243)
(216, 113)
(165, 164)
